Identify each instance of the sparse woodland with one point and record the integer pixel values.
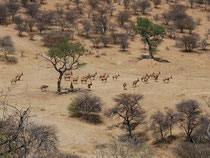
(71, 30)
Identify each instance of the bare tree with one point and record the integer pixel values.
(189, 114)
(189, 42)
(127, 108)
(3, 13)
(123, 17)
(156, 3)
(6, 46)
(144, 5)
(158, 125)
(13, 7)
(171, 120)
(32, 9)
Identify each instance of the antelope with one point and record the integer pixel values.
(151, 75)
(144, 77)
(93, 75)
(167, 79)
(18, 76)
(135, 82)
(156, 76)
(13, 81)
(84, 79)
(102, 76)
(75, 79)
(68, 75)
(105, 78)
(115, 76)
(44, 88)
(87, 76)
(89, 85)
(71, 86)
(125, 86)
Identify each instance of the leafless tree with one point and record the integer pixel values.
(105, 40)
(189, 42)
(32, 9)
(127, 108)
(123, 17)
(144, 5)
(158, 125)
(3, 13)
(189, 114)
(124, 41)
(171, 120)
(6, 46)
(30, 24)
(13, 7)
(156, 3)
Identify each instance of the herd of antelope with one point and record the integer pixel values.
(87, 79)
(104, 77)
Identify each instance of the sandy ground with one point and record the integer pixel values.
(190, 71)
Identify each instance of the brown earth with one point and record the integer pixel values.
(190, 71)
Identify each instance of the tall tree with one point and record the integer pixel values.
(64, 56)
(151, 33)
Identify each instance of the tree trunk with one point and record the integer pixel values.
(59, 82)
(129, 129)
(150, 49)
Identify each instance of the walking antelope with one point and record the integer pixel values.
(18, 76)
(105, 78)
(102, 76)
(135, 82)
(156, 76)
(67, 75)
(151, 75)
(125, 86)
(115, 76)
(89, 85)
(167, 79)
(75, 79)
(44, 88)
(84, 80)
(13, 81)
(144, 77)
(92, 76)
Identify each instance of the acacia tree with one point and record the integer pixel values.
(64, 56)
(151, 33)
(189, 112)
(127, 107)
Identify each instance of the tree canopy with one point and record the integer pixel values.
(151, 33)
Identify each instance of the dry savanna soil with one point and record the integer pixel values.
(190, 73)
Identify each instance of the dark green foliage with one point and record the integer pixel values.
(151, 33)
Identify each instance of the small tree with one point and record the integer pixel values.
(127, 108)
(124, 41)
(189, 42)
(189, 113)
(123, 17)
(64, 57)
(144, 5)
(156, 3)
(171, 120)
(6, 46)
(158, 125)
(13, 8)
(151, 33)
(86, 105)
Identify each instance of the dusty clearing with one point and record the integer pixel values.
(190, 71)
